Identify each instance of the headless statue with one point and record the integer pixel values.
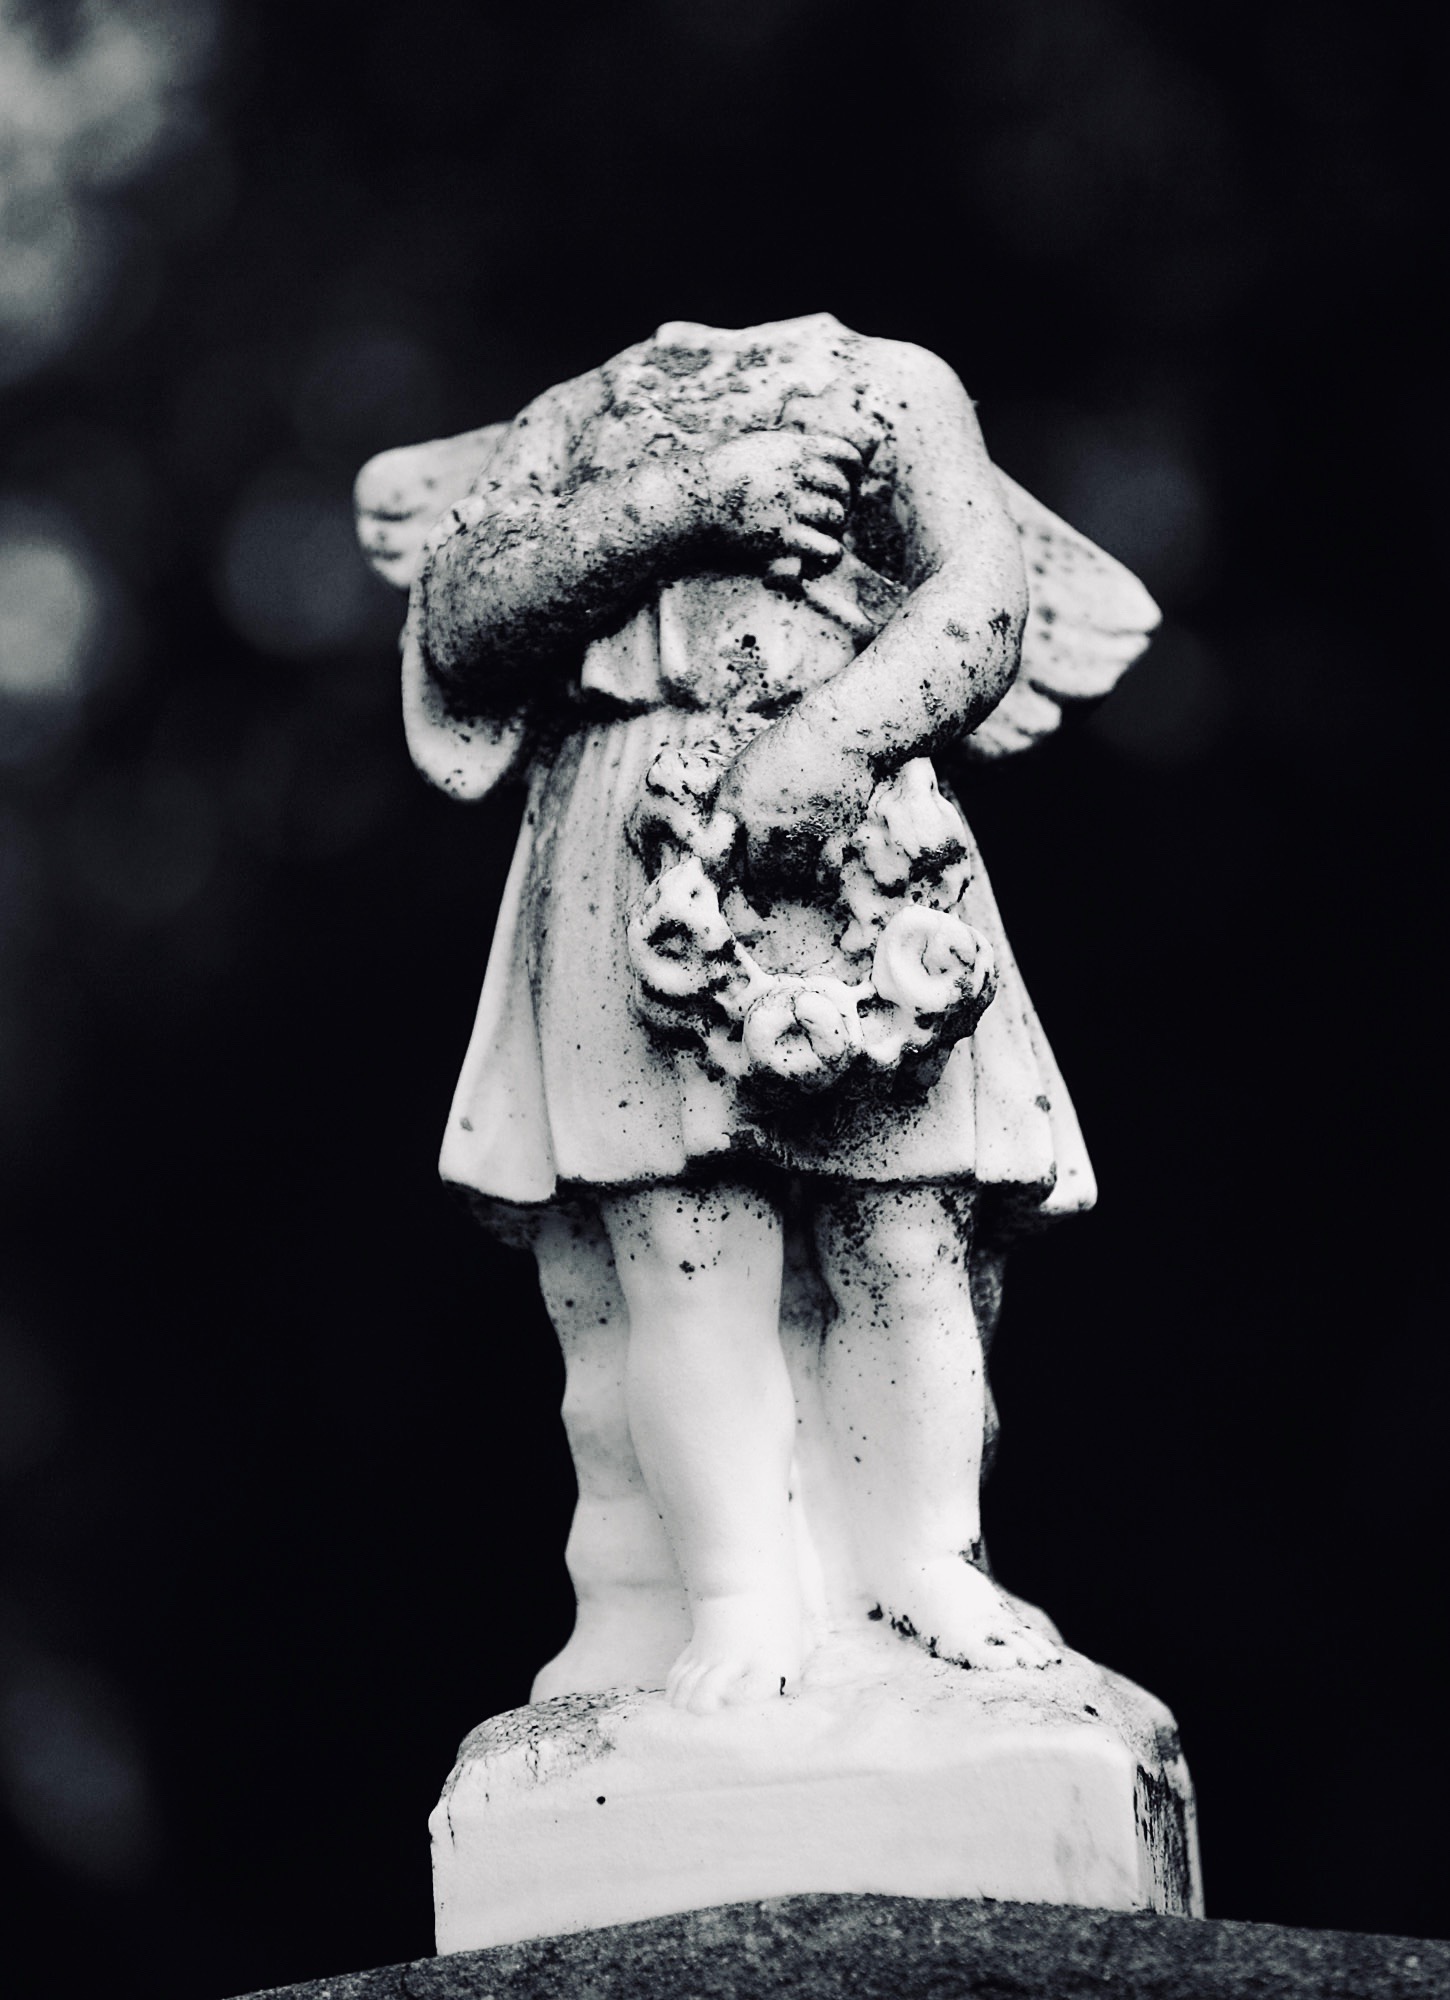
(754, 1072)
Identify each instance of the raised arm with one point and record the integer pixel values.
(525, 571)
(946, 657)
(550, 554)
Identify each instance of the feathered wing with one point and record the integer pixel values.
(400, 496)
(1088, 619)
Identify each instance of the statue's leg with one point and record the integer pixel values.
(713, 1418)
(987, 1261)
(904, 1381)
(631, 1620)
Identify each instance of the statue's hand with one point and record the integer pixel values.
(792, 791)
(780, 498)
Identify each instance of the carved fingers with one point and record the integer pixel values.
(781, 497)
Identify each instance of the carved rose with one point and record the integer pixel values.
(928, 961)
(926, 975)
(908, 822)
(804, 1030)
(676, 930)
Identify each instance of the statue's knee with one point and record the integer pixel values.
(683, 1238)
(664, 1237)
(906, 1243)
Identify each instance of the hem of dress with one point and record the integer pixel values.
(1007, 1210)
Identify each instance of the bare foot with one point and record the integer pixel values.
(1035, 1619)
(959, 1614)
(748, 1647)
(623, 1637)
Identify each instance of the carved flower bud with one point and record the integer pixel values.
(679, 775)
(807, 1032)
(908, 823)
(677, 809)
(675, 929)
(870, 906)
(891, 1030)
(929, 961)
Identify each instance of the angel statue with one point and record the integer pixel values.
(754, 1071)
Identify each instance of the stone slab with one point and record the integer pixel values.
(889, 1772)
(898, 1948)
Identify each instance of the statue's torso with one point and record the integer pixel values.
(731, 640)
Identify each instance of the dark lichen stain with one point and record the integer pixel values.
(1160, 1812)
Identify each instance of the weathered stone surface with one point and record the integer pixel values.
(887, 1772)
(756, 1075)
(725, 597)
(898, 1948)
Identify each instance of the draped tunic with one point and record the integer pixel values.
(564, 1086)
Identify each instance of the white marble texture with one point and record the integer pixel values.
(888, 1772)
(757, 1078)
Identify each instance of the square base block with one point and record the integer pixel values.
(888, 1772)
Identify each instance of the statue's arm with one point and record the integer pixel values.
(549, 554)
(945, 658)
(537, 562)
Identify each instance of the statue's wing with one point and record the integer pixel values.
(400, 494)
(1088, 619)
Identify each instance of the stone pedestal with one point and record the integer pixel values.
(889, 1772)
(907, 1948)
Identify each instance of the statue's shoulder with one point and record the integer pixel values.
(915, 376)
(538, 446)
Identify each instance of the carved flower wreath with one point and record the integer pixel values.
(891, 972)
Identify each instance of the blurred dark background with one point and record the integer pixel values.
(284, 1493)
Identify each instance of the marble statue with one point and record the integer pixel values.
(754, 1072)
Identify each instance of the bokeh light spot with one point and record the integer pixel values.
(54, 602)
(82, 115)
(47, 616)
